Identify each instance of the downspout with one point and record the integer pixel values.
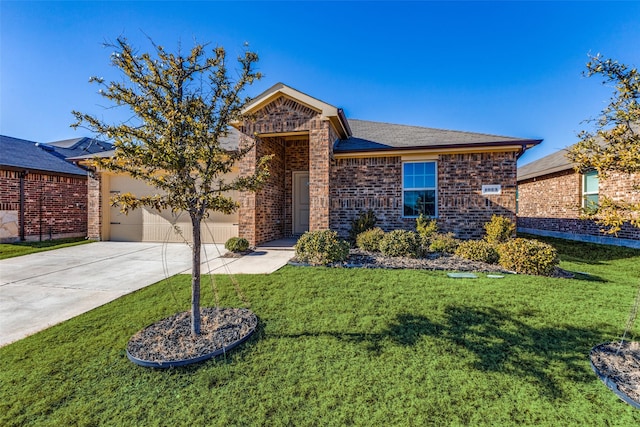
(22, 176)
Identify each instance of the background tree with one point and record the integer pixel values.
(182, 106)
(615, 145)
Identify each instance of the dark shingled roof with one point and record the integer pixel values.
(556, 162)
(377, 136)
(29, 155)
(230, 142)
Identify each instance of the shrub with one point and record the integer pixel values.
(478, 250)
(400, 243)
(321, 247)
(365, 221)
(370, 240)
(499, 230)
(237, 244)
(528, 256)
(445, 243)
(426, 227)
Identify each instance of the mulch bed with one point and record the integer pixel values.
(170, 339)
(620, 363)
(433, 261)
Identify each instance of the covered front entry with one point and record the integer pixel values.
(298, 132)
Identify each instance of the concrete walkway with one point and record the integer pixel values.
(46, 288)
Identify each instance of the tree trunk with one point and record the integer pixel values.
(195, 276)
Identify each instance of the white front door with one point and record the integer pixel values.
(300, 202)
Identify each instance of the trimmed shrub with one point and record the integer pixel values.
(365, 221)
(370, 240)
(478, 250)
(400, 243)
(237, 244)
(499, 230)
(426, 227)
(528, 256)
(445, 243)
(321, 247)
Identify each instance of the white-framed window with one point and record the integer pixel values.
(419, 189)
(590, 190)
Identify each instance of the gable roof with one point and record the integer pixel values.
(377, 136)
(555, 162)
(18, 153)
(333, 114)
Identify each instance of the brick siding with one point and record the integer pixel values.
(55, 206)
(359, 184)
(296, 160)
(552, 203)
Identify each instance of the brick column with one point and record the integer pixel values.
(94, 206)
(247, 210)
(319, 165)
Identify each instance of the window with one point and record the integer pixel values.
(590, 190)
(419, 189)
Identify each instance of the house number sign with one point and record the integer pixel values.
(489, 190)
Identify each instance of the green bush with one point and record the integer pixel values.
(400, 243)
(528, 256)
(478, 250)
(445, 243)
(499, 230)
(426, 227)
(365, 221)
(370, 240)
(321, 247)
(237, 244)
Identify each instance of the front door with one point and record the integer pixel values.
(300, 202)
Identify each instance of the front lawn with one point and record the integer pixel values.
(346, 347)
(10, 250)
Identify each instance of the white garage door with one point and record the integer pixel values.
(151, 225)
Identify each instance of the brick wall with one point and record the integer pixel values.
(462, 208)
(359, 184)
(55, 206)
(552, 203)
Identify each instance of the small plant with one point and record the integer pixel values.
(444, 243)
(370, 240)
(321, 247)
(236, 244)
(478, 250)
(426, 227)
(499, 230)
(365, 221)
(528, 256)
(400, 243)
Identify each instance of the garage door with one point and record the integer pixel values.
(151, 225)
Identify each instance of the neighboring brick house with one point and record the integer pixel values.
(551, 195)
(327, 169)
(42, 196)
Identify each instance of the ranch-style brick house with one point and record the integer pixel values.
(326, 169)
(551, 195)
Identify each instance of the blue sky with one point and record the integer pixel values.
(505, 68)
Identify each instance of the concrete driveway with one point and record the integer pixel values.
(43, 289)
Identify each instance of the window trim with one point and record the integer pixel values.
(589, 193)
(435, 188)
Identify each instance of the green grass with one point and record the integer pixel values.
(346, 347)
(10, 250)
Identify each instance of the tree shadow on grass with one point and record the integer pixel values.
(491, 341)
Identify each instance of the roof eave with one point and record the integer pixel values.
(517, 143)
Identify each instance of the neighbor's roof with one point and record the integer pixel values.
(18, 153)
(376, 136)
(230, 143)
(556, 162)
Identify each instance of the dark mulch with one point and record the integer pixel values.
(170, 339)
(433, 261)
(620, 362)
